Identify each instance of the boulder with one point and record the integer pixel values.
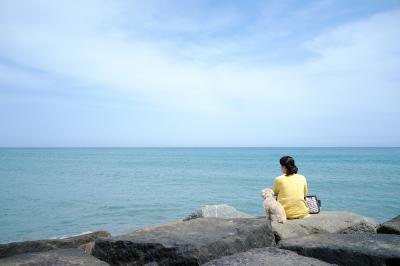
(59, 257)
(348, 249)
(390, 227)
(190, 242)
(16, 248)
(153, 263)
(217, 211)
(266, 256)
(325, 222)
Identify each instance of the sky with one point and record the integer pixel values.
(199, 73)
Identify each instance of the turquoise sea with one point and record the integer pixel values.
(57, 192)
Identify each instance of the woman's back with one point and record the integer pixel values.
(291, 190)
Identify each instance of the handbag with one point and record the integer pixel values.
(313, 204)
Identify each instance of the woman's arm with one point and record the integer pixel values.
(276, 187)
(305, 187)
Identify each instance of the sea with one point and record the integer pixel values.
(59, 192)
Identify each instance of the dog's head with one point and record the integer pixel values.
(267, 193)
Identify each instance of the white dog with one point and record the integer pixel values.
(273, 209)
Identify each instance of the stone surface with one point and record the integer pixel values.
(16, 248)
(390, 227)
(59, 257)
(266, 257)
(191, 242)
(348, 249)
(325, 222)
(153, 263)
(217, 211)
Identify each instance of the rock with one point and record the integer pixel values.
(266, 256)
(16, 248)
(390, 227)
(185, 243)
(348, 249)
(217, 211)
(325, 222)
(153, 263)
(60, 257)
(88, 247)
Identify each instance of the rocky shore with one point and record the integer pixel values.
(220, 235)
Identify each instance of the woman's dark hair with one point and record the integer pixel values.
(288, 163)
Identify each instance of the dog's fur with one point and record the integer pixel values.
(274, 210)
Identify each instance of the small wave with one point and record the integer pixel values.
(68, 236)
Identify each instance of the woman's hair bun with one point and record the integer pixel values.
(288, 163)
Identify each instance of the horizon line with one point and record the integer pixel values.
(180, 147)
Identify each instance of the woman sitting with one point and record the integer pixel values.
(290, 189)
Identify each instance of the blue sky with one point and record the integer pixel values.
(199, 73)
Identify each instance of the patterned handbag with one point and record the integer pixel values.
(313, 204)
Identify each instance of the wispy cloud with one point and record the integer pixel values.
(228, 66)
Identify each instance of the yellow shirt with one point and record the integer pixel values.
(291, 191)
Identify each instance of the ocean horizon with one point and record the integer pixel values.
(54, 192)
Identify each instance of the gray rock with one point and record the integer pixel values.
(185, 243)
(348, 249)
(153, 263)
(266, 256)
(16, 248)
(60, 257)
(390, 227)
(325, 222)
(217, 211)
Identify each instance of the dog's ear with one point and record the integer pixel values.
(267, 192)
(264, 191)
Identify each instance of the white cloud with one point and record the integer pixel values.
(90, 45)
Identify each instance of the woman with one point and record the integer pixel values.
(290, 189)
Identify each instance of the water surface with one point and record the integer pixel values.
(59, 192)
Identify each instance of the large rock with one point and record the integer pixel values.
(223, 211)
(325, 222)
(16, 248)
(348, 249)
(185, 243)
(266, 256)
(60, 257)
(390, 227)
